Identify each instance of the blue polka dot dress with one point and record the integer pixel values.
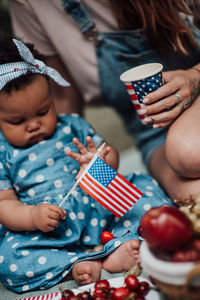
(43, 173)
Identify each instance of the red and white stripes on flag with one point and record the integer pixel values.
(109, 188)
(134, 98)
(53, 296)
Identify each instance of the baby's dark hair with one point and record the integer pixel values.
(8, 54)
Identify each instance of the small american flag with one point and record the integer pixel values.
(109, 188)
(53, 296)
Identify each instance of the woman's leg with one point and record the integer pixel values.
(176, 165)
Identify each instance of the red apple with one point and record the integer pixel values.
(166, 228)
(106, 236)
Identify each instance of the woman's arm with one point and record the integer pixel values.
(17, 216)
(180, 89)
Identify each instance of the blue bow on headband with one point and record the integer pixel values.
(10, 71)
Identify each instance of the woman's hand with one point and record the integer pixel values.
(86, 154)
(179, 91)
(45, 217)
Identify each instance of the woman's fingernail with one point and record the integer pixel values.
(156, 126)
(147, 120)
(142, 111)
(146, 100)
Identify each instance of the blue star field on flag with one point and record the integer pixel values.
(148, 85)
(102, 172)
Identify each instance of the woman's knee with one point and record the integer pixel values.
(183, 155)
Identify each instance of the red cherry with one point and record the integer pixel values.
(111, 291)
(139, 297)
(67, 294)
(75, 297)
(196, 244)
(190, 254)
(85, 296)
(121, 293)
(99, 293)
(106, 236)
(131, 282)
(143, 288)
(166, 228)
(102, 284)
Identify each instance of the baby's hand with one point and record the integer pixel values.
(86, 154)
(46, 216)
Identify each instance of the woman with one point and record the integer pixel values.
(92, 42)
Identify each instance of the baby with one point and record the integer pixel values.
(41, 244)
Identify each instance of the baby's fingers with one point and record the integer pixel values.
(104, 152)
(62, 214)
(91, 144)
(74, 155)
(80, 146)
(57, 213)
(52, 224)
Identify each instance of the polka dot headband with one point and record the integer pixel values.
(13, 70)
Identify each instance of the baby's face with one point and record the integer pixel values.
(28, 116)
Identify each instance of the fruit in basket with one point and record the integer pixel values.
(189, 253)
(191, 207)
(166, 229)
(186, 255)
(106, 236)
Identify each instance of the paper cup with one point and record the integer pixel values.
(140, 81)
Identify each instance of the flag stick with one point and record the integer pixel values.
(89, 165)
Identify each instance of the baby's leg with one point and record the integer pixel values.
(85, 272)
(123, 258)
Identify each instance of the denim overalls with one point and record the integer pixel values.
(117, 52)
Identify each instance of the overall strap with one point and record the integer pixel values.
(79, 13)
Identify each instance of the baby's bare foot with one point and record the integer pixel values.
(123, 258)
(85, 272)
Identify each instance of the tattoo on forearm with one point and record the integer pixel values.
(195, 86)
(161, 105)
(166, 118)
(186, 104)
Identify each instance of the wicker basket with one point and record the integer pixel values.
(181, 292)
(179, 281)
